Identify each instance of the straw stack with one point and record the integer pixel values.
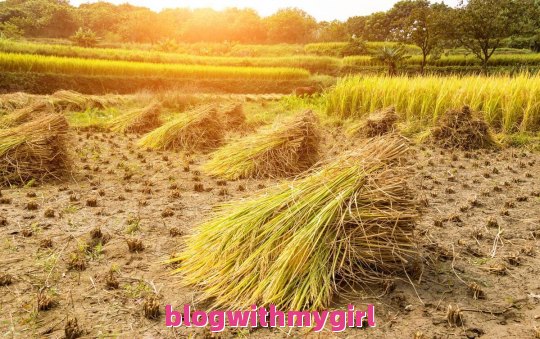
(350, 222)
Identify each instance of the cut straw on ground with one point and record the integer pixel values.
(232, 115)
(74, 101)
(138, 120)
(376, 124)
(296, 247)
(458, 129)
(25, 114)
(285, 149)
(199, 129)
(12, 101)
(35, 150)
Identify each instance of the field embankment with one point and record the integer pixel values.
(46, 83)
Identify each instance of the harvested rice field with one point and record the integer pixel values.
(117, 206)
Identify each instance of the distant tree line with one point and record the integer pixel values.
(480, 26)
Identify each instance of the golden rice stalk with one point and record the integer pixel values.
(25, 114)
(34, 150)
(194, 130)
(350, 222)
(138, 120)
(285, 149)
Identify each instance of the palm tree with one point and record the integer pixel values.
(392, 57)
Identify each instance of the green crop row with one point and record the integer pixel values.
(11, 62)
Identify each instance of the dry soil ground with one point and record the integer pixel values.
(480, 224)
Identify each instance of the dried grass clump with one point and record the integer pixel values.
(351, 222)
(151, 307)
(68, 99)
(287, 148)
(34, 150)
(74, 101)
(25, 114)
(458, 129)
(199, 129)
(138, 120)
(376, 124)
(6, 280)
(454, 316)
(46, 300)
(232, 115)
(12, 101)
(72, 330)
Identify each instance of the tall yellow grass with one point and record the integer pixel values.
(508, 104)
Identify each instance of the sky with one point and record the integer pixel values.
(320, 9)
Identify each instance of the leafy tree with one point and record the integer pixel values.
(175, 19)
(391, 57)
(62, 22)
(356, 26)
(332, 31)
(243, 25)
(535, 43)
(356, 46)
(85, 37)
(205, 25)
(10, 31)
(100, 17)
(481, 25)
(142, 25)
(290, 25)
(40, 18)
(421, 24)
(377, 27)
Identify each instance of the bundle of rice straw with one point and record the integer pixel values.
(34, 150)
(232, 115)
(458, 129)
(351, 222)
(285, 149)
(198, 129)
(376, 124)
(12, 101)
(25, 114)
(74, 101)
(138, 120)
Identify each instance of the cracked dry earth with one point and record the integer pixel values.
(92, 248)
